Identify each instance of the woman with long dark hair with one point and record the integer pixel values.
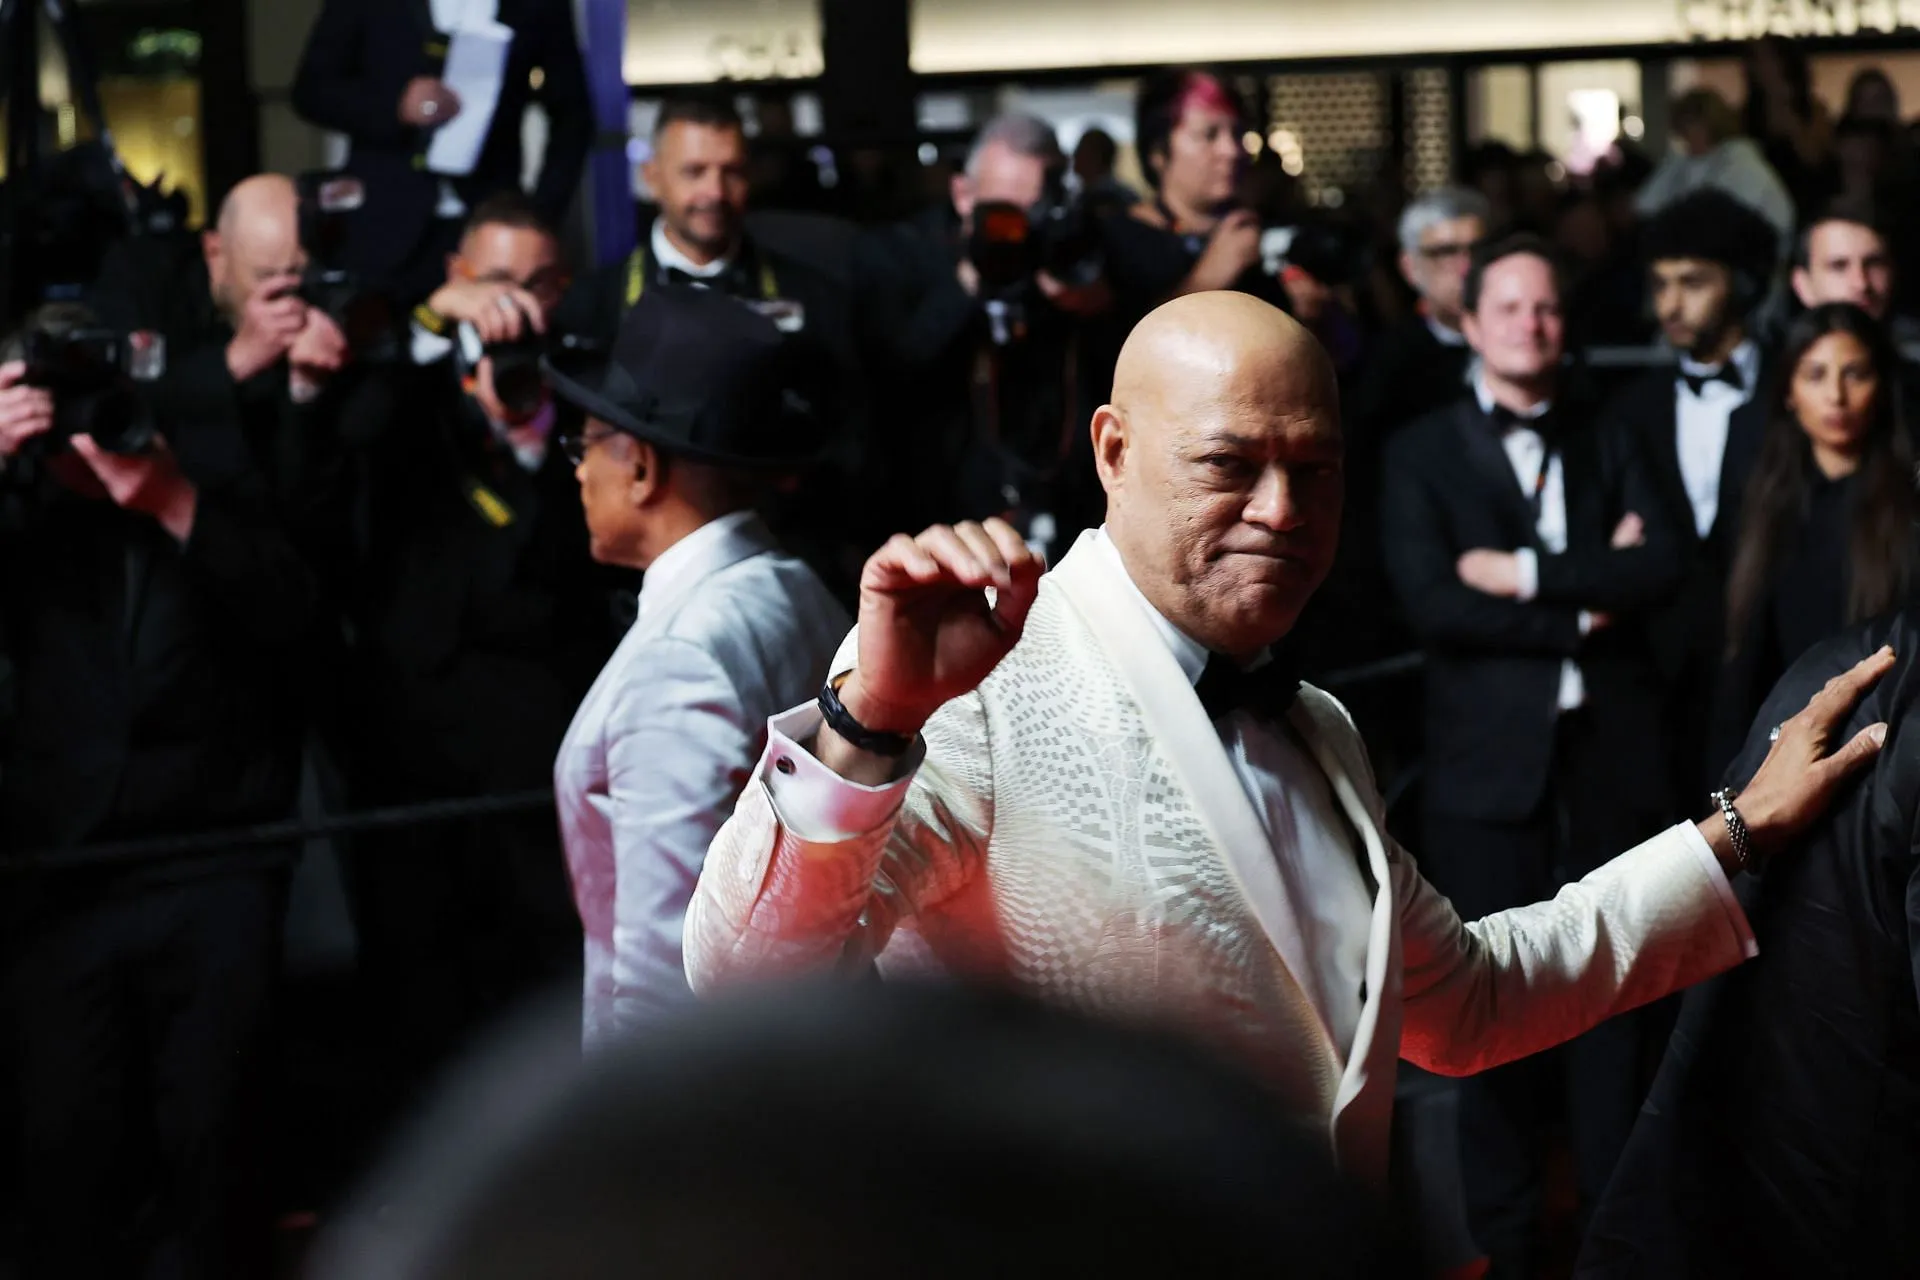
(1827, 524)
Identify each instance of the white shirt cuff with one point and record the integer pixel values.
(1586, 622)
(1709, 864)
(812, 801)
(1526, 572)
(428, 348)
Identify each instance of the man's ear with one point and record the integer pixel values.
(212, 249)
(1109, 445)
(1470, 329)
(1803, 286)
(647, 466)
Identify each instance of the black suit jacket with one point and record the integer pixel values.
(480, 616)
(1690, 628)
(1782, 1136)
(1494, 665)
(157, 684)
(359, 58)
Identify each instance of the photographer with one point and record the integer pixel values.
(154, 611)
(240, 346)
(481, 621)
(985, 305)
(1193, 234)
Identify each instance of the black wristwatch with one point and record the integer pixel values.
(841, 721)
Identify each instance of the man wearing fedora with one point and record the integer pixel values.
(691, 421)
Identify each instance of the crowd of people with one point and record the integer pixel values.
(457, 518)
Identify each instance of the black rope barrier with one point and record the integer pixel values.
(291, 832)
(297, 831)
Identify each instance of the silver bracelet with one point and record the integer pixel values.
(1736, 829)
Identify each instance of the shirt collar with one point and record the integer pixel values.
(1484, 394)
(1188, 652)
(688, 560)
(666, 254)
(1441, 334)
(1745, 358)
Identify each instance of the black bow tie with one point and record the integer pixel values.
(1505, 420)
(1728, 373)
(727, 282)
(1225, 687)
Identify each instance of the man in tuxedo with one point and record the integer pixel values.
(1102, 785)
(799, 270)
(1516, 539)
(1782, 1136)
(371, 70)
(1696, 430)
(480, 621)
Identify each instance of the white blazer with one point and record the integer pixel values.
(1076, 826)
(729, 633)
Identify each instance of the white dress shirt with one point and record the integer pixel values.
(1312, 844)
(1441, 334)
(667, 254)
(1700, 429)
(1526, 451)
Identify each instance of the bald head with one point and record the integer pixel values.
(256, 240)
(1221, 459)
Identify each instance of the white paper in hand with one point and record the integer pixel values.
(476, 70)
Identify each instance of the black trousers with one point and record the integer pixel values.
(139, 1031)
(460, 923)
(1596, 1082)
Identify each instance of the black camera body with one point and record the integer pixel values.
(91, 373)
(328, 202)
(520, 367)
(1010, 245)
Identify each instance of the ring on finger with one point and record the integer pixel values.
(1773, 734)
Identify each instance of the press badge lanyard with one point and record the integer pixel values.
(637, 278)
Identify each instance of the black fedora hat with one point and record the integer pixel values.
(703, 376)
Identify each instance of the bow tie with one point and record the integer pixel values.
(1225, 687)
(1728, 373)
(727, 281)
(1505, 420)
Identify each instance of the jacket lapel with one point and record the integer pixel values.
(1744, 432)
(1480, 446)
(1174, 716)
(1373, 851)
(1659, 425)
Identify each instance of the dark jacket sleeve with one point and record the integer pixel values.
(331, 90)
(1443, 611)
(569, 108)
(1599, 577)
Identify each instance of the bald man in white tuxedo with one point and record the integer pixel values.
(1099, 784)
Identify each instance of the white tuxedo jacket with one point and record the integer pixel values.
(1077, 827)
(665, 740)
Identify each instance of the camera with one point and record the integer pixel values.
(91, 373)
(328, 202)
(1010, 245)
(519, 367)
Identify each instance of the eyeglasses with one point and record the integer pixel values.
(1446, 249)
(576, 443)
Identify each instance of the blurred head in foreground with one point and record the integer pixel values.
(852, 1131)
